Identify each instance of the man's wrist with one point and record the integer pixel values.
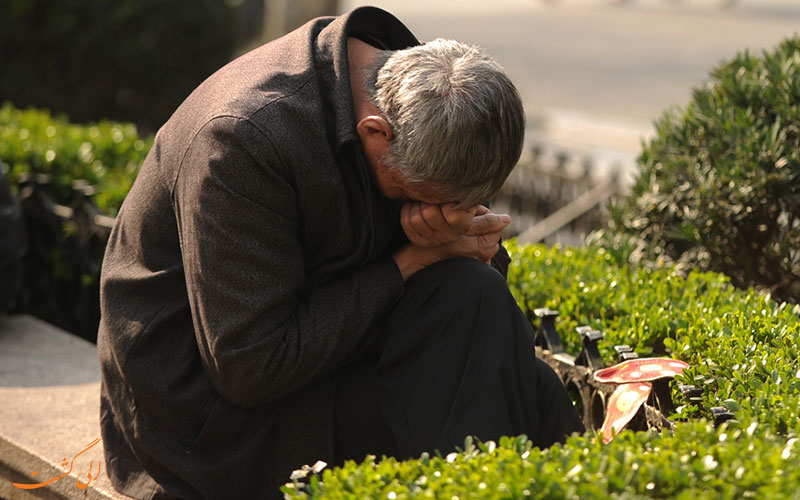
(411, 259)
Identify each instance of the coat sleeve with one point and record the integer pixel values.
(501, 260)
(260, 332)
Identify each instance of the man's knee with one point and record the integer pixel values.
(452, 301)
(463, 278)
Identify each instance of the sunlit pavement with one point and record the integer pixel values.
(595, 74)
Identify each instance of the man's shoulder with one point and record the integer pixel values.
(261, 92)
(248, 84)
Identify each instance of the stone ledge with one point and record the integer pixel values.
(49, 413)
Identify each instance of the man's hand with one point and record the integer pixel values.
(428, 225)
(480, 241)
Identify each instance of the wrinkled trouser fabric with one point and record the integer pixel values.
(455, 358)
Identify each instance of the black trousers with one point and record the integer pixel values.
(455, 359)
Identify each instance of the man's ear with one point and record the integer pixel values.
(374, 127)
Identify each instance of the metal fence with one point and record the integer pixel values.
(558, 197)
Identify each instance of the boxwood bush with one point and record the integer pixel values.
(63, 260)
(719, 187)
(743, 351)
(105, 154)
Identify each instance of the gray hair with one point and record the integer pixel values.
(457, 120)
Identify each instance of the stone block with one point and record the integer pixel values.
(49, 414)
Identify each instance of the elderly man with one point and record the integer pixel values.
(300, 271)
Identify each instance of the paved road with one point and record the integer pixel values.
(595, 74)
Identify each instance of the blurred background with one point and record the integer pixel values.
(84, 85)
(592, 73)
(595, 74)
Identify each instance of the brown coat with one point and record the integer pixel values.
(251, 258)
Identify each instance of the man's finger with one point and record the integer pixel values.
(458, 218)
(408, 226)
(488, 245)
(489, 239)
(488, 223)
(417, 218)
(423, 226)
(434, 218)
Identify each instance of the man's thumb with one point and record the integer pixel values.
(488, 223)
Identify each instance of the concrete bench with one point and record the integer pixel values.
(49, 414)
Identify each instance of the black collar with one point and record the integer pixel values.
(369, 24)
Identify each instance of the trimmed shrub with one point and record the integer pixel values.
(740, 343)
(61, 268)
(12, 244)
(743, 351)
(719, 187)
(694, 461)
(106, 154)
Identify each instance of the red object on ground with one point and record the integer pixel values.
(622, 406)
(640, 370)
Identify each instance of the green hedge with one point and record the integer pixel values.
(719, 187)
(743, 350)
(62, 264)
(105, 154)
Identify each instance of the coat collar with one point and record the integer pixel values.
(370, 24)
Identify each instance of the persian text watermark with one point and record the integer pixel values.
(89, 475)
